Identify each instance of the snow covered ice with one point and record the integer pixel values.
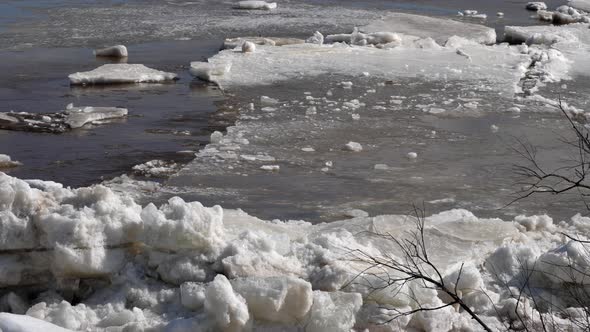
(121, 73)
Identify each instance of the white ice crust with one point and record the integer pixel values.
(121, 73)
(182, 265)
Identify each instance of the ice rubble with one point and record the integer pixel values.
(229, 43)
(183, 266)
(77, 117)
(121, 73)
(117, 51)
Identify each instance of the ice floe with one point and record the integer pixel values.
(536, 6)
(7, 162)
(121, 73)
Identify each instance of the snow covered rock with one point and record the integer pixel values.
(248, 47)
(255, 4)
(7, 162)
(353, 146)
(117, 51)
(536, 6)
(121, 73)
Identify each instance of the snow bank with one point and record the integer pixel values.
(183, 266)
(121, 73)
(117, 51)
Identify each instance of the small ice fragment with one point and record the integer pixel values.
(494, 128)
(255, 4)
(353, 146)
(270, 168)
(329, 163)
(499, 14)
(412, 155)
(462, 53)
(117, 51)
(308, 149)
(366, 74)
(317, 38)
(381, 167)
(514, 109)
(371, 91)
(329, 93)
(248, 47)
(45, 118)
(356, 116)
(325, 169)
(251, 106)
(536, 6)
(311, 110)
(264, 100)
(70, 106)
(268, 109)
(216, 137)
(346, 85)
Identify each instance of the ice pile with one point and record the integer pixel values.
(156, 168)
(121, 73)
(183, 266)
(117, 51)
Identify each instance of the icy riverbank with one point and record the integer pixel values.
(183, 266)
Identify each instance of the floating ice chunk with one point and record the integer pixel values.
(333, 312)
(494, 128)
(156, 168)
(353, 146)
(308, 149)
(472, 14)
(216, 137)
(228, 309)
(264, 100)
(7, 162)
(209, 71)
(346, 85)
(355, 116)
(270, 168)
(381, 167)
(79, 116)
(117, 51)
(121, 73)
(536, 6)
(285, 300)
(317, 38)
(514, 109)
(248, 47)
(412, 155)
(24, 323)
(500, 14)
(255, 4)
